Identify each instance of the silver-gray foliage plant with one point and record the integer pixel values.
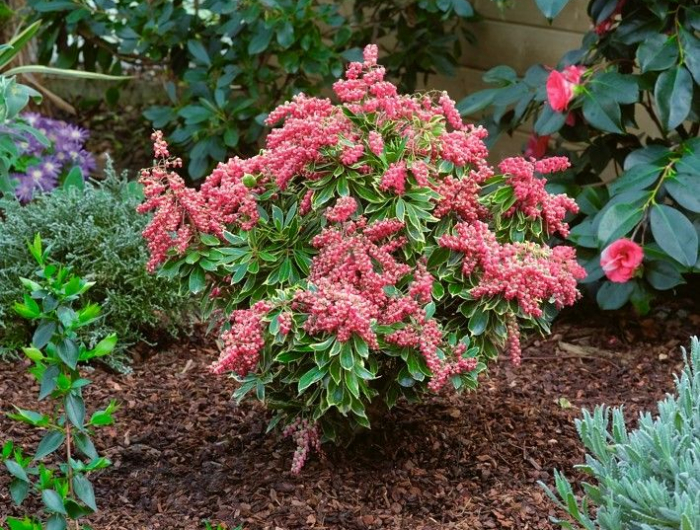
(647, 479)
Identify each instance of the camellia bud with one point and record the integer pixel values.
(249, 181)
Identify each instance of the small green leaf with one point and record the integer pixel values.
(19, 490)
(197, 281)
(53, 502)
(43, 333)
(16, 470)
(49, 444)
(478, 322)
(68, 352)
(309, 378)
(84, 490)
(74, 179)
(75, 410)
(105, 346)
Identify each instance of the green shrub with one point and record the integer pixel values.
(226, 64)
(648, 478)
(97, 232)
(53, 305)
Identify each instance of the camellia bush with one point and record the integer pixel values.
(624, 109)
(368, 253)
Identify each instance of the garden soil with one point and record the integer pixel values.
(183, 451)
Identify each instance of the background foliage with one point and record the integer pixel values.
(224, 65)
(97, 232)
(630, 132)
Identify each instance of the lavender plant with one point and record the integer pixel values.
(66, 492)
(648, 478)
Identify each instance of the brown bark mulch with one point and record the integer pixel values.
(183, 452)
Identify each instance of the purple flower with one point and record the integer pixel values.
(50, 167)
(67, 150)
(43, 179)
(24, 191)
(74, 134)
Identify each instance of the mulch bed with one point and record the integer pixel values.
(183, 452)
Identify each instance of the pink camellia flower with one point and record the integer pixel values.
(537, 146)
(621, 259)
(561, 86)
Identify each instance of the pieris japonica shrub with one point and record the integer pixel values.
(369, 252)
(647, 478)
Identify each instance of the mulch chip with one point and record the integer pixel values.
(183, 451)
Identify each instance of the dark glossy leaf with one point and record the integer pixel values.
(199, 52)
(621, 88)
(476, 101)
(691, 49)
(75, 410)
(662, 275)
(53, 502)
(84, 490)
(673, 94)
(637, 178)
(675, 234)
(685, 188)
(261, 38)
(612, 295)
(49, 444)
(603, 112)
(43, 333)
(549, 121)
(658, 52)
(618, 221)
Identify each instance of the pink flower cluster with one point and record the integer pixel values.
(306, 437)
(533, 200)
(244, 341)
(350, 275)
(526, 272)
(342, 211)
(179, 210)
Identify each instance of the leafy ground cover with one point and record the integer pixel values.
(182, 451)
